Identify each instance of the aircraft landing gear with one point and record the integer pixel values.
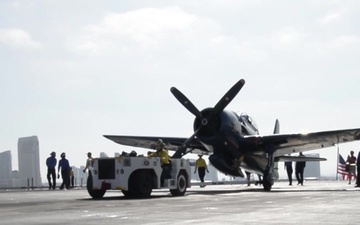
(268, 179)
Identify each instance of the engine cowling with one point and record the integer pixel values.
(225, 165)
(209, 127)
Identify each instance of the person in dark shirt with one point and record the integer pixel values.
(299, 170)
(65, 171)
(358, 170)
(51, 163)
(248, 177)
(289, 170)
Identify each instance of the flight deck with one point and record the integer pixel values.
(317, 202)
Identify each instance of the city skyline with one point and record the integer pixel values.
(30, 172)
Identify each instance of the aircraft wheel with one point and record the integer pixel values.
(128, 194)
(267, 181)
(181, 185)
(96, 194)
(267, 187)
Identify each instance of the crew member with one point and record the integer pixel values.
(72, 177)
(65, 171)
(164, 159)
(299, 170)
(351, 161)
(201, 166)
(51, 164)
(247, 177)
(88, 163)
(358, 170)
(289, 170)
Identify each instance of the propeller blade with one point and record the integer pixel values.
(227, 98)
(185, 102)
(181, 150)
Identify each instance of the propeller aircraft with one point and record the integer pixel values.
(233, 142)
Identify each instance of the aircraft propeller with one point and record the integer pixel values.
(185, 102)
(219, 107)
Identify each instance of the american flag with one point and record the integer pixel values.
(341, 166)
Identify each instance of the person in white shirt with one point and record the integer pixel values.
(88, 162)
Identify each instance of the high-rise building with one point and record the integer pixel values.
(5, 169)
(81, 177)
(29, 162)
(312, 169)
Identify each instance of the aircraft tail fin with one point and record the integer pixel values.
(277, 127)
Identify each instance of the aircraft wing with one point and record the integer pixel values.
(171, 143)
(298, 159)
(291, 143)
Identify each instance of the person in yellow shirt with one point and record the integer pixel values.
(161, 152)
(164, 159)
(72, 177)
(201, 166)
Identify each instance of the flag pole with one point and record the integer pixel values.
(337, 161)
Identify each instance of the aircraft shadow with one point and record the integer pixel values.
(257, 190)
(123, 198)
(215, 192)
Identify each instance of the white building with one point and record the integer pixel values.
(5, 169)
(29, 161)
(103, 155)
(312, 169)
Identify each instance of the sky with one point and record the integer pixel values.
(72, 71)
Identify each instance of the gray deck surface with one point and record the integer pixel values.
(317, 202)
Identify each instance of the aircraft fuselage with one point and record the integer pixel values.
(224, 137)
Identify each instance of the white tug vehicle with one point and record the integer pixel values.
(137, 176)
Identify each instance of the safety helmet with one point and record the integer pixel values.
(159, 144)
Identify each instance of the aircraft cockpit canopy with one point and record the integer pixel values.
(245, 118)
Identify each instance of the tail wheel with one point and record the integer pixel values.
(181, 185)
(93, 193)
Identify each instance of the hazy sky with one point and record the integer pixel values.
(72, 71)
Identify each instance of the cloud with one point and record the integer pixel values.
(171, 35)
(148, 28)
(289, 36)
(330, 18)
(341, 43)
(17, 38)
